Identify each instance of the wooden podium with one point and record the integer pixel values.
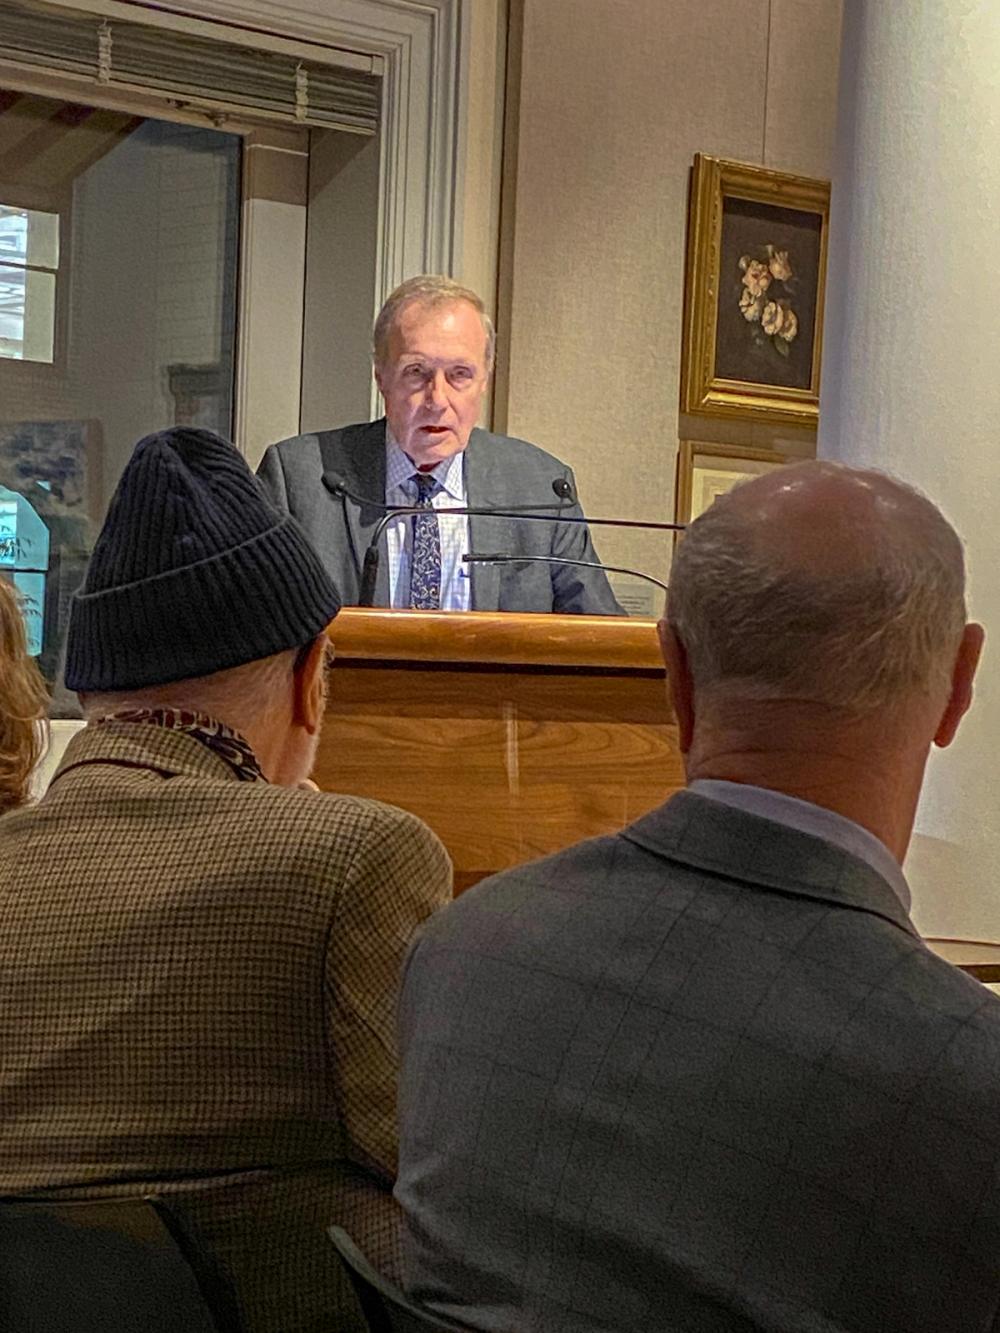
(510, 735)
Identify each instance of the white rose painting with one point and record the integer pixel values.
(753, 308)
(767, 297)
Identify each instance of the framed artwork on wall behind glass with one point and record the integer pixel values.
(753, 308)
(706, 471)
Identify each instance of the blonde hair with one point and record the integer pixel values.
(23, 705)
(427, 289)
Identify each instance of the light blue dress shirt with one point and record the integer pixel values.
(813, 819)
(401, 489)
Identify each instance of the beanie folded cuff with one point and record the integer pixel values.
(268, 594)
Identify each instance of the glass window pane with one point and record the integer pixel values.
(27, 314)
(12, 311)
(29, 236)
(43, 239)
(13, 234)
(39, 315)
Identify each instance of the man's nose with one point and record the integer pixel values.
(434, 392)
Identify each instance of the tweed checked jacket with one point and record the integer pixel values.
(198, 979)
(701, 1076)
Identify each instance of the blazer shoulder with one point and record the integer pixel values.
(320, 818)
(581, 871)
(302, 448)
(323, 443)
(510, 450)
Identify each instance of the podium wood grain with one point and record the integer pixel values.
(512, 736)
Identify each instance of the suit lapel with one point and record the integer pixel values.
(710, 836)
(483, 489)
(360, 461)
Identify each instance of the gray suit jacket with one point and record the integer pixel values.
(702, 1075)
(499, 472)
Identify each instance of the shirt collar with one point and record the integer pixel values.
(399, 470)
(816, 820)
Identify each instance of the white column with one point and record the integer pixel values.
(911, 379)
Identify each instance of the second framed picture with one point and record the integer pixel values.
(706, 471)
(753, 311)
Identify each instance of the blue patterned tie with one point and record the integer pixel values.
(425, 571)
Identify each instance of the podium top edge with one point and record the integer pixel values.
(620, 643)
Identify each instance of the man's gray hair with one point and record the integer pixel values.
(859, 631)
(428, 289)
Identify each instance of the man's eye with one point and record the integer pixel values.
(414, 372)
(460, 374)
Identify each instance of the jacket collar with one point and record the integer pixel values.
(720, 839)
(140, 745)
(357, 455)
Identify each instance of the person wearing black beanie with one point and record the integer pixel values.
(196, 573)
(202, 957)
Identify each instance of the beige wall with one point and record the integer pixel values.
(616, 97)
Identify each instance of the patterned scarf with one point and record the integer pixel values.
(228, 745)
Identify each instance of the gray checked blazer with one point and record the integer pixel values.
(197, 998)
(700, 1076)
(499, 472)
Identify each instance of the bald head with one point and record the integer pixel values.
(820, 583)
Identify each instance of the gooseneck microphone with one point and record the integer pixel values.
(560, 560)
(519, 513)
(369, 567)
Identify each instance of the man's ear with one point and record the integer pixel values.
(963, 673)
(678, 683)
(309, 685)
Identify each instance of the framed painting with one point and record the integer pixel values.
(753, 309)
(705, 471)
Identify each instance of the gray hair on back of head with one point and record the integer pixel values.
(862, 639)
(427, 289)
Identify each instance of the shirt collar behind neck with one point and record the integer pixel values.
(816, 820)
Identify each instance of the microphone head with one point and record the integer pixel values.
(333, 483)
(563, 489)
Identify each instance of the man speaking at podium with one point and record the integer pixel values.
(433, 350)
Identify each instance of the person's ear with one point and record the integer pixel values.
(962, 676)
(678, 683)
(310, 686)
(378, 380)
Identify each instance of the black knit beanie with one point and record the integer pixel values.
(194, 571)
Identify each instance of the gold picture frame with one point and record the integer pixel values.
(706, 470)
(755, 286)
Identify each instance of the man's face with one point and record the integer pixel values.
(434, 378)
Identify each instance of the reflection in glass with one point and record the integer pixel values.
(117, 318)
(24, 558)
